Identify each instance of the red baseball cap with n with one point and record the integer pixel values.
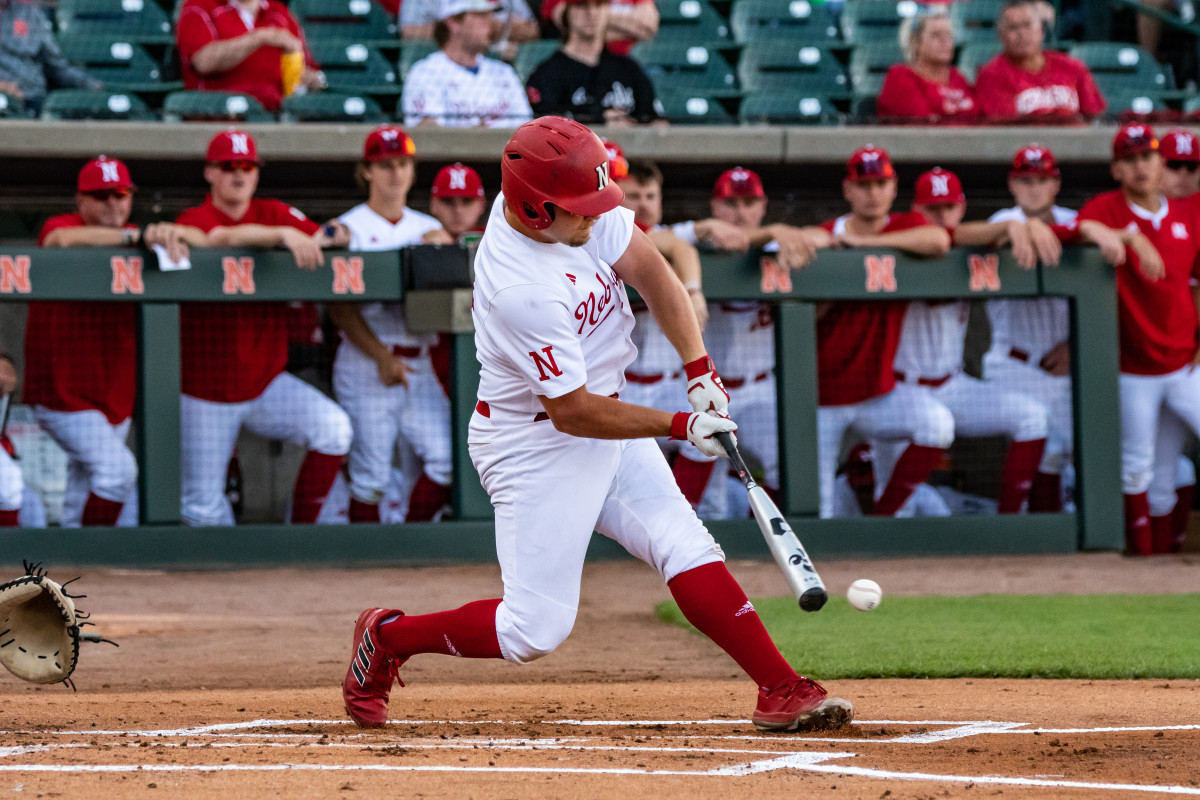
(738, 182)
(232, 145)
(387, 141)
(457, 180)
(1034, 160)
(1179, 145)
(618, 165)
(869, 164)
(104, 173)
(1134, 138)
(937, 187)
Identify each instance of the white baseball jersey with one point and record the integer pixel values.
(548, 318)
(369, 232)
(931, 341)
(491, 94)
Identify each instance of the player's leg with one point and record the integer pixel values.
(1168, 445)
(1184, 400)
(1141, 403)
(832, 422)
(425, 425)
(12, 490)
(293, 410)
(912, 413)
(374, 413)
(98, 447)
(209, 431)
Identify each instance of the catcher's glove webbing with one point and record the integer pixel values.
(39, 628)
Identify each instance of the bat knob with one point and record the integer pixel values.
(813, 599)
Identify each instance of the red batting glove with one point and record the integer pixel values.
(705, 391)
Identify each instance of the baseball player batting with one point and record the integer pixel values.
(561, 455)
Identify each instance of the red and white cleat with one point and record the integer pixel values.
(800, 704)
(368, 681)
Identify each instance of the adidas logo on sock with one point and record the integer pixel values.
(746, 609)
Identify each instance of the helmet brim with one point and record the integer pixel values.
(595, 203)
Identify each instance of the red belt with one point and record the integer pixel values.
(932, 383)
(406, 352)
(1019, 355)
(484, 410)
(737, 383)
(637, 377)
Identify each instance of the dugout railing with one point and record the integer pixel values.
(122, 276)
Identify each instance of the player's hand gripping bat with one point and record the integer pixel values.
(781, 540)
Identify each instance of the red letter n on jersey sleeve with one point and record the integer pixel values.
(545, 363)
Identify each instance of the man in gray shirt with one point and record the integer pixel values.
(30, 58)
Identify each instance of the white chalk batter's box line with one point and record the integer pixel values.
(221, 736)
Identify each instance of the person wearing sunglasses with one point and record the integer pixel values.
(233, 354)
(1181, 158)
(81, 357)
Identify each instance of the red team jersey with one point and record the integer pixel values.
(231, 351)
(80, 356)
(907, 94)
(205, 21)
(1064, 87)
(857, 341)
(1157, 319)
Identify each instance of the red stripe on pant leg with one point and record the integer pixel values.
(100, 512)
(1160, 534)
(1181, 515)
(910, 472)
(426, 499)
(1016, 476)
(1045, 497)
(1137, 525)
(469, 631)
(692, 477)
(317, 474)
(10, 518)
(713, 601)
(363, 512)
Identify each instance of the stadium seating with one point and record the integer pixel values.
(680, 65)
(869, 65)
(330, 107)
(974, 55)
(1120, 103)
(533, 53)
(213, 107)
(683, 107)
(345, 20)
(355, 67)
(786, 66)
(875, 20)
(690, 21)
(975, 20)
(787, 108)
(1119, 67)
(11, 106)
(800, 20)
(84, 104)
(142, 21)
(122, 66)
(412, 51)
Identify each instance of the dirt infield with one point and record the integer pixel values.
(225, 685)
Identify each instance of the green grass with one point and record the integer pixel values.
(988, 636)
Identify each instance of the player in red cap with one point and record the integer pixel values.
(856, 345)
(561, 456)
(383, 375)
(1181, 158)
(81, 358)
(233, 354)
(457, 200)
(1157, 316)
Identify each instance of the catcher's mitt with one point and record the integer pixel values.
(39, 628)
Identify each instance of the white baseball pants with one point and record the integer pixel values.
(98, 461)
(1143, 401)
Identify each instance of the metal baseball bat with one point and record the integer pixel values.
(785, 547)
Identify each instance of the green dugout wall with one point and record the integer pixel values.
(127, 276)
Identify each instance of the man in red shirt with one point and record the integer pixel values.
(81, 358)
(238, 46)
(1156, 313)
(233, 354)
(856, 347)
(1027, 82)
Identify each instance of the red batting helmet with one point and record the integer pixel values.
(556, 161)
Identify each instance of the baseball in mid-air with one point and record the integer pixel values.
(864, 594)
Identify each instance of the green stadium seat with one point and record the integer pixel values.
(355, 67)
(975, 20)
(690, 21)
(11, 107)
(799, 20)
(678, 65)
(974, 55)
(331, 107)
(1135, 102)
(787, 108)
(869, 65)
(866, 21)
(85, 104)
(193, 106)
(790, 67)
(1126, 65)
(123, 66)
(412, 51)
(862, 108)
(533, 53)
(345, 20)
(683, 107)
(106, 20)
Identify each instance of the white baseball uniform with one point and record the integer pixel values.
(97, 459)
(549, 320)
(457, 97)
(380, 414)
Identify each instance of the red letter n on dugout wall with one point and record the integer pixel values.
(881, 273)
(546, 363)
(127, 275)
(348, 276)
(14, 275)
(239, 275)
(985, 272)
(774, 277)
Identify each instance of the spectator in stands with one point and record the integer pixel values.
(584, 80)
(81, 357)
(30, 61)
(856, 347)
(457, 86)
(518, 24)
(630, 22)
(233, 354)
(1025, 82)
(927, 88)
(241, 46)
(457, 200)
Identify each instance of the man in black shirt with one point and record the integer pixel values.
(585, 81)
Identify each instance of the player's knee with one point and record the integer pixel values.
(334, 435)
(116, 477)
(530, 639)
(935, 428)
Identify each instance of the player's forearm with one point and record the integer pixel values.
(981, 234)
(246, 236)
(927, 240)
(681, 256)
(349, 320)
(225, 54)
(85, 236)
(592, 416)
